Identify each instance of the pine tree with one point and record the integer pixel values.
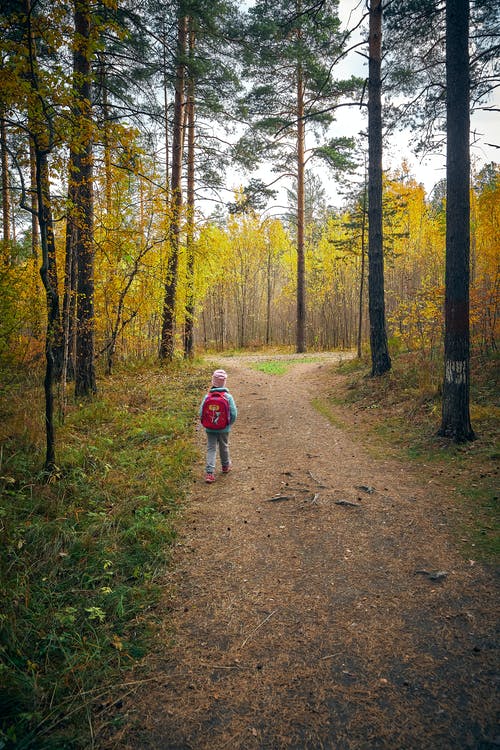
(381, 361)
(455, 402)
(167, 343)
(82, 176)
(291, 50)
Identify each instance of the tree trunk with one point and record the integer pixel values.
(189, 318)
(165, 108)
(362, 279)
(48, 273)
(35, 242)
(167, 344)
(69, 300)
(6, 245)
(42, 140)
(301, 282)
(455, 404)
(108, 176)
(269, 292)
(85, 380)
(378, 336)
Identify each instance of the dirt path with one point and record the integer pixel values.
(316, 620)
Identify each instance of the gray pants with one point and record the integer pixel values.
(222, 440)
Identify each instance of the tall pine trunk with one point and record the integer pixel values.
(269, 290)
(85, 380)
(167, 343)
(189, 317)
(362, 272)
(381, 361)
(455, 403)
(301, 273)
(165, 51)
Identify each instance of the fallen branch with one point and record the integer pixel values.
(278, 498)
(313, 500)
(221, 666)
(347, 502)
(433, 575)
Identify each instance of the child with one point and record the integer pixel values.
(218, 435)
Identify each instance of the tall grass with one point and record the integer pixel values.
(82, 556)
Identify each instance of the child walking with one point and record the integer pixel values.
(218, 413)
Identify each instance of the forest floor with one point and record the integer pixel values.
(318, 597)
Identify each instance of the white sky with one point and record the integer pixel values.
(485, 124)
(350, 121)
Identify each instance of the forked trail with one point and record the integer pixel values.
(317, 599)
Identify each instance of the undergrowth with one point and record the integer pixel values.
(400, 414)
(82, 555)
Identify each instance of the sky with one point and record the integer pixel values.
(428, 171)
(485, 125)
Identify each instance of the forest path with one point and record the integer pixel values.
(317, 599)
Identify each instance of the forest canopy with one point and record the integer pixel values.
(141, 115)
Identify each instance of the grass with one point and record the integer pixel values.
(279, 366)
(272, 367)
(399, 414)
(82, 556)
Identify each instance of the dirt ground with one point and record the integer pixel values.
(317, 599)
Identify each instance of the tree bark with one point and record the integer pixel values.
(301, 274)
(85, 379)
(106, 140)
(455, 422)
(189, 317)
(70, 282)
(381, 361)
(48, 273)
(269, 290)
(167, 344)
(165, 108)
(6, 244)
(41, 136)
(362, 272)
(35, 241)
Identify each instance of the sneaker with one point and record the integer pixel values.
(209, 478)
(227, 469)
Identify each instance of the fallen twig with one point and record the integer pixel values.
(318, 481)
(258, 627)
(278, 498)
(221, 666)
(347, 502)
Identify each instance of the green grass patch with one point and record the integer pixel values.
(82, 557)
(399, 414)
(272, 367)
(279, 366)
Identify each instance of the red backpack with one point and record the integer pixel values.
(215, 414)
